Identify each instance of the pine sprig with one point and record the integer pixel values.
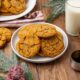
(27, 74)
(6, 63)
(2, 78)
(57, 6)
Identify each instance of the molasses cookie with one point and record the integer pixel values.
(12, 6)
(52, 46)
(6, 32)
(29, 46)
(45, 31)
(2, 41)
(40, 30)
(17, 6)
(5, 36)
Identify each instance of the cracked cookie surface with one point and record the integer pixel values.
(51, 40)
(29, 46)
(52, 46)
(5, 36)
(41, 30)
(0, 3)
(9, 7)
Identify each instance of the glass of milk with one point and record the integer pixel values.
(72, 20)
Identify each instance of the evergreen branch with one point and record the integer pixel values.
(57, 6)
(1, 78)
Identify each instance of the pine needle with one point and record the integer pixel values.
(6, 63)
(57, 6)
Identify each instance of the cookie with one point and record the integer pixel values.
(4, 6)
(6, 32)
(5, 36)
(17, 6)
(29, 46)
(12, 7)
(59, 35)
(45, 31)
(23, 33)
(40, 30)
(5, 14)
(51, 46)
(2, 41)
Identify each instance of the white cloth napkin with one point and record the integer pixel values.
(30, 18)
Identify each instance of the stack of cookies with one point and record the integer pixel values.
(9, 7)
(39, 39)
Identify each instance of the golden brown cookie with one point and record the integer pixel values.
(2, 41)
(23, 33)
(6, 32)
(29, 46)
(41, 30)
(45, 31)
(12, 6)
(52, 46)
(5, 14)
(59, 35)
(27, 30)
(17, 6)
(5, 36)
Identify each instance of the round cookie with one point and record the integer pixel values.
(45, 31)
(27, 31)
(59, 35)
(17, 6)
(6, 32)
(2, 41)
(10, 7)
(51, 46)
(23, 33)
(5, 36)
(4, 6)
(29, 46)
(41, 30)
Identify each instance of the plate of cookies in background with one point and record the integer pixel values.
(13, 9)
(39, 42)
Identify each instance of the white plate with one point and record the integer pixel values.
(38, 59)
(30, 5)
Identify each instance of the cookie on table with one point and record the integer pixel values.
(40, 30)
(5, 36)
(52, 46)
(2, 41)
(29, 46)
(6, 32)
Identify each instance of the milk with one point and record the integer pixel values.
(72, 20)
